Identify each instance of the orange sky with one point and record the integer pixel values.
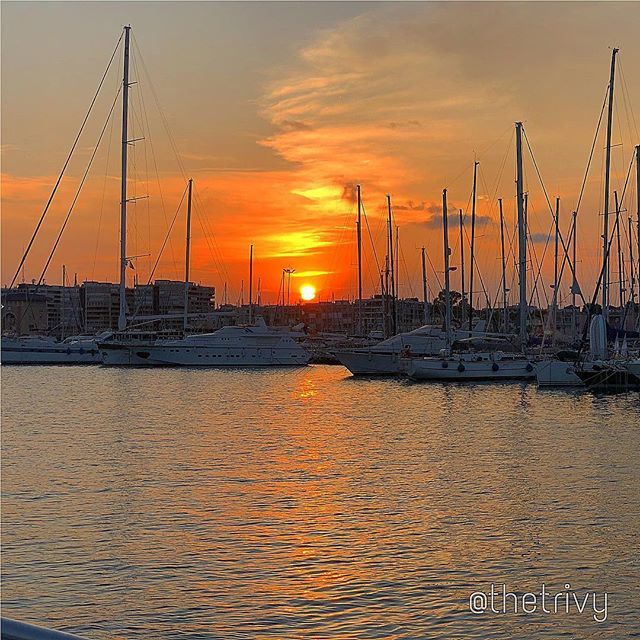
(278, 110)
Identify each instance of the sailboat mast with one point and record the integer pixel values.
(447, 290)
(397, 270)
(394, 320)
(504, 270)
(620, 258)
(555, 271)
(187, 258)
(522, 236)
(250, 284)
(462, 292)
(638, 208)
(574, 288)
(607, 174)
(473, 242)
(359, 233)
(632, 273)
(122, 316)
(425, 291)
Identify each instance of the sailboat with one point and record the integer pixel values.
(47, 350)
(461, 361)
(76, 349)
(596, 369)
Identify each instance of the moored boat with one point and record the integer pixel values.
(254, 345)
(47, 350)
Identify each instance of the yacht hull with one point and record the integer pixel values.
(122, 355)
(175, 355)
(199, 356)
(49, 353)
(468, 370)
(370, 363)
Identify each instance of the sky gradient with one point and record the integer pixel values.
(277, 111)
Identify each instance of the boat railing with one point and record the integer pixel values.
(15, 630)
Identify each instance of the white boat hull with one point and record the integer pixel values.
(633, 366)
(462, 370)
(120, 355)
(199, 356)
(15, 351)
(555, 373)
(370, 363)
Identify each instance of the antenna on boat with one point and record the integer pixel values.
(522, 237)
(122, 317)
(187, 258)
(607, 175)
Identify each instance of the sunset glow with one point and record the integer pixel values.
(307, 292)
(287, 133)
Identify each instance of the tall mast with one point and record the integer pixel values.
(632, 273)
(620, 258)
(359, 230)
(386, 299)
(62, 291)
(574, 287)
(397, 270)
(638, 208)
(473, 242)
(394, 319)
(607, 172)
(187, 258)
(447, 292)
(522, 237)
(250, 284)
(462, 300)
(555, 271)
(122, 317)
(425, 291)
(504, 271)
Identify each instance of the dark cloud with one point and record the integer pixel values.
(349, 192)
(410, 206)
(538, 237)
(408, 124)
(435, 221)
(295, 125)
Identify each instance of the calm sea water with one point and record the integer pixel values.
(307, 504)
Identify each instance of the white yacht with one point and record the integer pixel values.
(254, 345)
(390, 357)
(47, 350)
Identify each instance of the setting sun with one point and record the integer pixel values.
(307, 292)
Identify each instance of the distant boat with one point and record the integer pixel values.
(480, 358)
(471, 366)
(254, 345)
(390, 357)
(47, 350)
